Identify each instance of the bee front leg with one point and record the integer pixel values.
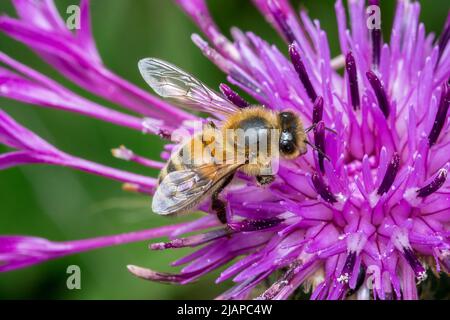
(265, 179)
(218, 205)
(212, 124)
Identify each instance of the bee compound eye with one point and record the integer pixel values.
(287, 147)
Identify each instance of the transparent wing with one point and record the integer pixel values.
(182, 190)
(171, 82)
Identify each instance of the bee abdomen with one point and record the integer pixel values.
(198, 151)
(183, 159)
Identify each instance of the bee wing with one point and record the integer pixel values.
(171, 82)
(182, 190)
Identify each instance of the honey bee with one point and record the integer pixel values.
(184, 185)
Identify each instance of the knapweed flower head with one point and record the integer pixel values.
(364, 214)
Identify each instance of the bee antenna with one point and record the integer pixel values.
(317, 149)
(310, 128)
(315, 124)
(331, 130)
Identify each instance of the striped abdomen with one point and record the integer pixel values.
(198, 153)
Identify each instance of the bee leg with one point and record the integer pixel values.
(218, 205)
(265, 179)
(212, 124)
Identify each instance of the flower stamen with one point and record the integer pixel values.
(390, 175)
(322, 189)
(376, 46)
(301, 71)
(192, 241)
(281, 20)
(134, 187)
(348, 268)
(415, 264)
(375, 37)
(443, 40)
(318, 110)
(319, 141)
(440, 115)
(350, 67)
(400, 240)
(255, 224)
(355, 243)
(128, 155)
(275, 289)
(380, 92)
(232, 96)
(434, 185)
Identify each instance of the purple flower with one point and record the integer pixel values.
(360, 219)
(19, 252)
(31, 149)
(42, 29)
(30, 86)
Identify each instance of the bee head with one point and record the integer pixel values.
(292, 136)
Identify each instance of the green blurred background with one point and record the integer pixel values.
(61, 204)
